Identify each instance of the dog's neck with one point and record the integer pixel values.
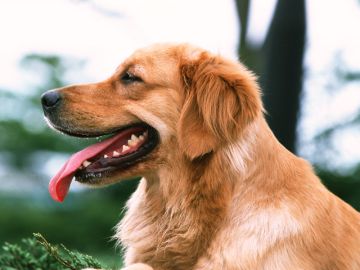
(228, 166)
(256, 147)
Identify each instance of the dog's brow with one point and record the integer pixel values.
(134, 67)
(138, 69)
(121, 67)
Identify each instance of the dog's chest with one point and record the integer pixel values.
(165, 242)
(163, 237)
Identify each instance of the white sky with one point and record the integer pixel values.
(77, 29)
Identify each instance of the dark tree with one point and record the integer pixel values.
(280, 65)
(283, 69)
(242, 8)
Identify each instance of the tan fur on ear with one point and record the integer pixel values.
(221, 98)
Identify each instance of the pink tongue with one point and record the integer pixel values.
(60, 183)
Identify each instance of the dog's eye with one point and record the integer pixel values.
(128, 77)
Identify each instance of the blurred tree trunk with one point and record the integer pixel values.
(242, 8)
(280, 64)
(283, 69)
(248, 55)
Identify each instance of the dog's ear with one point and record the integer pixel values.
(221, 98)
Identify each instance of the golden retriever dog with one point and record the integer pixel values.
(218, 190)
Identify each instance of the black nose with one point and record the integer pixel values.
(50, 99)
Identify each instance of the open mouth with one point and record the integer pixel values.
(128, 147)
(131, 146)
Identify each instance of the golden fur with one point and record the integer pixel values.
(219, 192)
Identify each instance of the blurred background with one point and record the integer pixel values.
(305, 53)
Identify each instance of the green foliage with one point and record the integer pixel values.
(37, 253)
(346, 186)
(90, 216)
(53, 68)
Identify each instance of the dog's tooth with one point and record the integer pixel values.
(116, 154)
(141, 138)
(125, 147)
(86, 163)
(134, 138)
(131, 142)
(106, 156)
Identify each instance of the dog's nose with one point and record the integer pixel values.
(50, 99)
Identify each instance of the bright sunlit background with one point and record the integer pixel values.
(46, 44)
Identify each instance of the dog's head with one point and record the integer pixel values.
(161, 99)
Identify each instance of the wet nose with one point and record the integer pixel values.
(50, 100)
